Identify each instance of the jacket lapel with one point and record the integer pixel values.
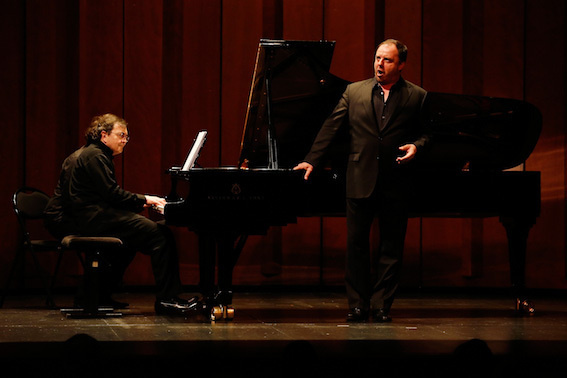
(368, 108)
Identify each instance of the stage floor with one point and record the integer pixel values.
(292, 334)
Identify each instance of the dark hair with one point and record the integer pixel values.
(402, 49)
(100, 123)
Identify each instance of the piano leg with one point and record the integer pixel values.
(517, 231)
(217, 300)
(207, 263)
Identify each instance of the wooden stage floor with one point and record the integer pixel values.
(291, 334)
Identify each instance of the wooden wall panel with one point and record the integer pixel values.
(403, 22)
(51, 84)
(172, 87)
(191, 81)
(143, 36)
(303, 20)
(101, 64)
(545, 86)
(242, 28)
(175, 67)
(504, 19)
(347, 23)
(50, 90)
(12, 108)
(201, 78)
(473, 47)
(101, 59)
(442, 46)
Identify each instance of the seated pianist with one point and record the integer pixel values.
(89, 202)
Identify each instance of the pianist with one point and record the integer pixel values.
(89, 202)
(381, 114)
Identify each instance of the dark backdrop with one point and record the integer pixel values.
(174, 67)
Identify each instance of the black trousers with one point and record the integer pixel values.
(146, 236)
(372, 281)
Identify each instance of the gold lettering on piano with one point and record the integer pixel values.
(235, 198)
(235, 194)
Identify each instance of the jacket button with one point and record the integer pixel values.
(377, 157)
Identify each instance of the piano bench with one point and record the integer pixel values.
(93, 249)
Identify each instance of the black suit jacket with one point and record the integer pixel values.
(372, 153)
(95, 197)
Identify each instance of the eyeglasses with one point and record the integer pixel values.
(122, 136)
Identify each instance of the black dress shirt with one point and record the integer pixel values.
(383, 109)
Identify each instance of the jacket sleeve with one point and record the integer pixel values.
(328, 131)
(101, 171)
(425, 136)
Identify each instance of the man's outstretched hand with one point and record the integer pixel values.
(410, 150)
(305, 166)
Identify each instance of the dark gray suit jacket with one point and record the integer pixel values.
(372, 153)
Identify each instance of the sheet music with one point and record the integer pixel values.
(195, 150)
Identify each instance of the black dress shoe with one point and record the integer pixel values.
(380, 316)
(176, 306)
(357, 315)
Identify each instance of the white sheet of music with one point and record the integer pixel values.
(195, 150)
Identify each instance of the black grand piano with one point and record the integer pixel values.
(474, 141)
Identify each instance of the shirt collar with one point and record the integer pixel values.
(394, 87)
(107, 151)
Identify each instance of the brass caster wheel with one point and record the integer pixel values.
(229, 313)
(525, 307)
(216, 313)
(222, 312)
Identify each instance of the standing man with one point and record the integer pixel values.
(382, 117)
(88, 201)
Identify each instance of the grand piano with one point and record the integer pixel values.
(474, 141)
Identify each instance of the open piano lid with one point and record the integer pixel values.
(292, 93)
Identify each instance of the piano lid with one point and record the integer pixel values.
(292, 93)
(479, 133)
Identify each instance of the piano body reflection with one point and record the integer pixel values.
(474, 139)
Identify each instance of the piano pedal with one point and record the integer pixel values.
(222, 312)
(524, 307)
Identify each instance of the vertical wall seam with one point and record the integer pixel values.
(420, 233)
(123, 176)
(25, 92)
(564, 132)
(220, 79)
(323, 6)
